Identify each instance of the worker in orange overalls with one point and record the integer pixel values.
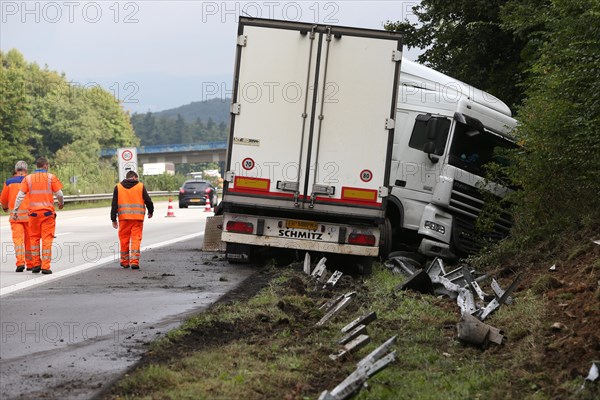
(129, 204)
(20, 227)
(40, 186)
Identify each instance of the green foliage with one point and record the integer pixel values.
(216, 110)
(43, 114)
(466, 40)
(558, 168)
(163, 182)
(162, 128)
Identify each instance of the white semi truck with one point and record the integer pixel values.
(338, 145)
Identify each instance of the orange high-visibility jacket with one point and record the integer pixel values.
(131, 202)
(9, 196)
(40, 186)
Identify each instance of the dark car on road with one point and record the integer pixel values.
(195, 192)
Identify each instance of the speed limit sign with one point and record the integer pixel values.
(127, 161)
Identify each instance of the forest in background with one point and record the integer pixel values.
(543, 58)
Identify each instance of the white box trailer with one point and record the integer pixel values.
(159, 168)
(312, 127)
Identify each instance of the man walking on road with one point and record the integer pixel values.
(129, 203)
(40, 186)
(20, 227)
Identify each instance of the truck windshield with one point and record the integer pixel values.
(472, 149)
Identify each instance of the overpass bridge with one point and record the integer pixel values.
(178, 153)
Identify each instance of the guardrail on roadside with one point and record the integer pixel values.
(108, 196)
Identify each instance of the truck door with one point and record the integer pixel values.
(312, 116)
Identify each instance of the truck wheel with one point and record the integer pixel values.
(415, 259)
(364, 265)
(385, 240)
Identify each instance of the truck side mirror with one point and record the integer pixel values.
(429, 148)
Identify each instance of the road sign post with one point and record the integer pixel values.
(127, 161)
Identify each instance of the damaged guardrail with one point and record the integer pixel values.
(460, 285)
(355, 334)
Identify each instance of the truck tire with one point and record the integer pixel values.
(385, 240)
(415, 259)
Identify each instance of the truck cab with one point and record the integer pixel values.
(446, 131)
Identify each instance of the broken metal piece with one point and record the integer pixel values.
(354, 345)
(443, 286)
(466, 301)
(364, 320)
(330, 303)
(592, 375)
(474, 285)
(376, 354)
(319, 269)
(333, 279)
(494, 304)
(355, 380)
(436, 268)
(498, 291)
(471, 330)
(406, 266)
(359, 330)
(343, 303)
(307, 263)
(419, 282)
(594, 372)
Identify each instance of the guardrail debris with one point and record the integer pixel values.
(366, 368)
(352, 346)
(363, 320)
(307, 263)
(339, 306)
(472, 330)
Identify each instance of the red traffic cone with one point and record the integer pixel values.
(170, 212)
(207, 205)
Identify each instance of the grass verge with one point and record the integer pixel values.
(268, 347)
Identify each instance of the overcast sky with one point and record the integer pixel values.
(156, 55)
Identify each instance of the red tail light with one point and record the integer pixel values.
(361, 239)
(181, 190)
(207, 191)
(239, 227)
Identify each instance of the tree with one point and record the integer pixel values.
(559, 120)
(466, 40)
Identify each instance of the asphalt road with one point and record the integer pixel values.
(69, 334)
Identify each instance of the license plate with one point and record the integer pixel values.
(312, 226)
(194, 200)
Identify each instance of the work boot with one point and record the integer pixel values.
(124, 265)
(29, 268)
(20, 268)
(46, 271)
(36, 270)
(135, 267)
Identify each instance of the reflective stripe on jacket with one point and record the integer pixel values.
(9, 195)
(131, 202)
(40, 186)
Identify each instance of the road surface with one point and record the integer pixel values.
(69, 334)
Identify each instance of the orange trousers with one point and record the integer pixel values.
(41, 227)
(130, 236)
(22, 242)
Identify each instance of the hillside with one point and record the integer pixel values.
(217, 109)
(197, 122)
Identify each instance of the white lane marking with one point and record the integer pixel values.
(61, 274)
